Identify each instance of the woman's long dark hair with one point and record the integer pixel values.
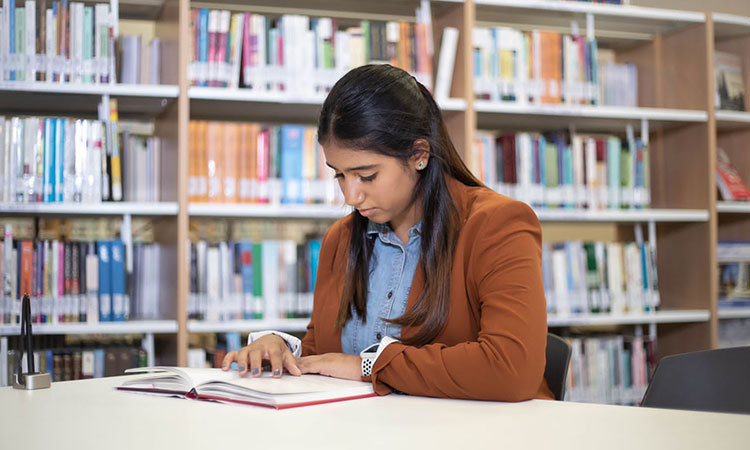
(383, 109)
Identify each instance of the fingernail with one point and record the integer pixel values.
(256, 371)
(277, 372)
(242, 368)
(224, 366)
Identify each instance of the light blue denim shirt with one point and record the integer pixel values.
(392, 268)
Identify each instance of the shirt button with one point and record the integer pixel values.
(379, 336)
(390, 294)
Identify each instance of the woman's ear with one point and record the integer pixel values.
(421, 156)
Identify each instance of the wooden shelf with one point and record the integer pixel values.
(676, 316)
(91, 209)
(622, 215)
(687, 316)
(734, 313)
(732, 120)
(496, 115)
(733, 207)
(616, 25)
(355, 10)
(140, 9)
(129, 327)
(728, 26)
(284, 211)
(267, 211)
(240, 326)
(233, 104)
(83, 99)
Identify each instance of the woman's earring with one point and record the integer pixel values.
(420, 166)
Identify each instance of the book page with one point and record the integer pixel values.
(287, 384)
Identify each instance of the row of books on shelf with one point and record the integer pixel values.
(610, 369)
(598, 277)
(56, 41)
(549, 67)
(72, 280)
(66, 361)
(52, 160)
(559, 169)
(299, 54)
(255, 163)
(249, 279)
(734, 273)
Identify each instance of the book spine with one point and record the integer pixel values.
(117, 280)
(115, 157)
(105, 281)
(92, 285)
(291, 162)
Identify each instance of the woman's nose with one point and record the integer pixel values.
(353, 195)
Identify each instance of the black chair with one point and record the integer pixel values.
(712, 380)
(558, 360)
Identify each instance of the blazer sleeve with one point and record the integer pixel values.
(506, 363)
(325, 264)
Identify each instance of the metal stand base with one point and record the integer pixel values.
(31, 381)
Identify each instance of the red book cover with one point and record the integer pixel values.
(728, 179)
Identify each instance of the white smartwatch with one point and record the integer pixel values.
(368, 356)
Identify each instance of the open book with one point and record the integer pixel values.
(229, 387)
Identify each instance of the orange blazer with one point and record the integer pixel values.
(492, 346)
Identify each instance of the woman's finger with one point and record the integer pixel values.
(256, 362)
(291, 364)
(228, 360)
(242, 360)
(274, 356)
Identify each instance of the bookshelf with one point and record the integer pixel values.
(732, 35)
(671, 49)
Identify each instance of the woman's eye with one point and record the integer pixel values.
(370, 178)
(338, 176)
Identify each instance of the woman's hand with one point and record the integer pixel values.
(268, 348)
(337, 365)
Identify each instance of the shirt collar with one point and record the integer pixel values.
(383, 229)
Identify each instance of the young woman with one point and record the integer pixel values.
(433, 285)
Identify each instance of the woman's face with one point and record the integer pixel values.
(380, 187)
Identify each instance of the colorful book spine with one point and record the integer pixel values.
(292, 142)
(105, 280)
(120, 308)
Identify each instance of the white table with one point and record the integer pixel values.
(91, 414)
